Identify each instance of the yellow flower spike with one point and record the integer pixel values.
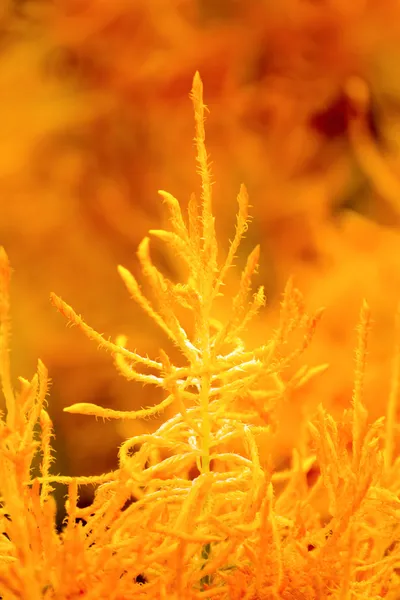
(210, 248)
(245, 281)
(136, 294)
(310, 325)
(30, 409)
(71, 506)
(27, 397)
(87, 408)
(47, 458)
(127, 368)
(33, 417)
(242, 221)
(285, 317)
(359, 411)
(161, 289)
(176, 217)
(239, 304)
(154, 276)
(75, 319)
(257, 303)
(179, 247)
(393, 398)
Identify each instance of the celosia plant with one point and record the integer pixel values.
(196, 510)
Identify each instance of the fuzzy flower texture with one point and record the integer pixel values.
(198, 510)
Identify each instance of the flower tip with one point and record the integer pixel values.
(76, 409)
(143, 248)
(196, 78)
(197, 87)
(122, 271)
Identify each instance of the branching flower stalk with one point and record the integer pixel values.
(218, 367)
(195, 511)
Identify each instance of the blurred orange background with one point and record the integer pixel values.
(304, 99)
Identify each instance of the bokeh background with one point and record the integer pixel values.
(304, 99)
